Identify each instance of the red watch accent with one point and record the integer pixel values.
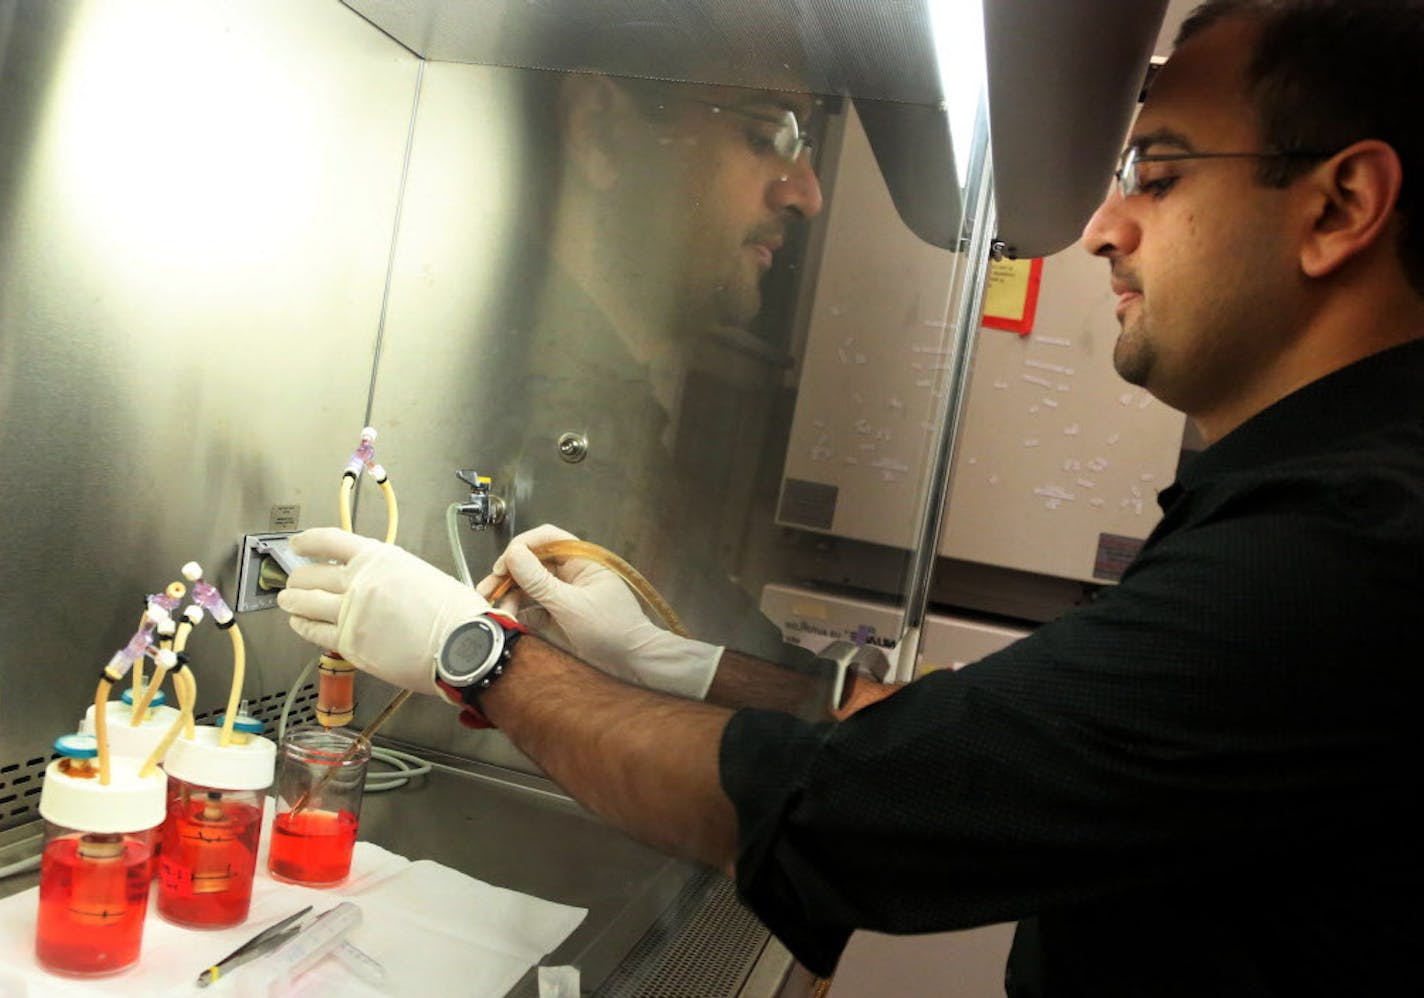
(470, 715)
(509, 622)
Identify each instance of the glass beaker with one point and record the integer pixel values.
(97, 860)
(216, 794)
(320, 777)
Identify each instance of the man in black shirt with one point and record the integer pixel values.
(1204, 782)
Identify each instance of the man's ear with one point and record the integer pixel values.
(1353, 196)
(592, 113)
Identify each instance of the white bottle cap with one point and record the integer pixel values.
(203, 762)
(128, 804)
(124, 739)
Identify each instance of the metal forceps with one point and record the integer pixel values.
(259, 945)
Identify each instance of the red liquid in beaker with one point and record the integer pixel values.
(93, 896)
(312, 847)
(209, 854)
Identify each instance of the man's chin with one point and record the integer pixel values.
(1131, 359)
(737, 308)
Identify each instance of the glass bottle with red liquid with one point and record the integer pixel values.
(137, 740)
(97, 860)
(216, 794)
(320, 778)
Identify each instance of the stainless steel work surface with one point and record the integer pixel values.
(649, 917)
(655, 925)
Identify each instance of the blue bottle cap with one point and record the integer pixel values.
(77, 746)
(245, 723)
(159, 699)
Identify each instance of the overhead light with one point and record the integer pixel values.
(958, 29)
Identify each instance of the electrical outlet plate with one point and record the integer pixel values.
(254, 548)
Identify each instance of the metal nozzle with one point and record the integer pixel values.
(270, 576)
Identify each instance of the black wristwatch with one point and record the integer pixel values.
(476, 654)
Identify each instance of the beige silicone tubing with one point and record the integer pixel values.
(555, 550)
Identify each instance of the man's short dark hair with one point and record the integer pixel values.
(1328, 73)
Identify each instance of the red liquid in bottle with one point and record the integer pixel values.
(209, 854)
(93, 897)
(312, 847)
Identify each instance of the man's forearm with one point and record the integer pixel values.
(744, 681)
(645, 762)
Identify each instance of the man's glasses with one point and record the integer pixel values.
(1129, 183)
(784, 132)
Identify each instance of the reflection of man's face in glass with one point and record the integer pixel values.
(714, 190)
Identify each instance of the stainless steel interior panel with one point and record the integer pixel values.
(196, 211)
(494, 350)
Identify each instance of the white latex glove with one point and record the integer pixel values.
(589, 610)
(382, 608)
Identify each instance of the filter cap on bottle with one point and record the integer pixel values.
(77, 746)
(159, 699)
(245, 723)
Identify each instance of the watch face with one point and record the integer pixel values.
(470, 650)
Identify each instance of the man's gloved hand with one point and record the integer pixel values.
(382, 608)
(590, 611)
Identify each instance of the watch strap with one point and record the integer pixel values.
(470, 714)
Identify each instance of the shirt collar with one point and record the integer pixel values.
(1383, 388)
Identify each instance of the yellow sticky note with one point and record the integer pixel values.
(1011, 295)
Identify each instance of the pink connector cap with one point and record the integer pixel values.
(165, 601)
(119, 663)
(364, 456)
(207, 596)
(139, 644)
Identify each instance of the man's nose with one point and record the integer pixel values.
(1111, 231)
(797, 190)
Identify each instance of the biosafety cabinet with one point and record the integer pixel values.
(705, 283)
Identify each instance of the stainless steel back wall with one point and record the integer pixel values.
(196, 211)
(494, 349)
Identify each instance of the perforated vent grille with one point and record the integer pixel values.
(21, 780)
(711, 955)
(20, 784)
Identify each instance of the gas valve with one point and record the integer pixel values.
(482, 509)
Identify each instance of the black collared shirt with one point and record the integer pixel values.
(1202, 783)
